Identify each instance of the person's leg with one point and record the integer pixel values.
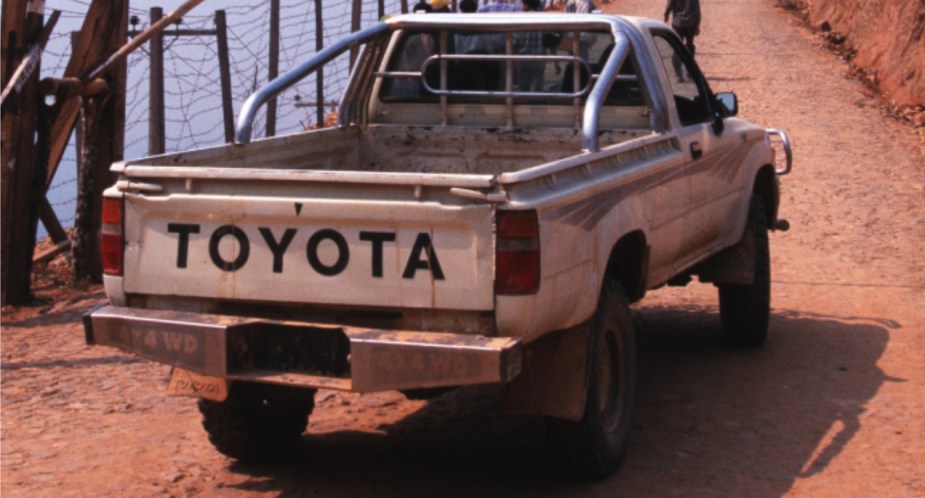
(687, 37)
(678, 67)
(676, 64)
(689, 40)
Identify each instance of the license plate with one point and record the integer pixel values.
(186, 383)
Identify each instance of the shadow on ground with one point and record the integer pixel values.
(48, 315)
(709, 421)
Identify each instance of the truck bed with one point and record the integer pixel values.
(397, 149)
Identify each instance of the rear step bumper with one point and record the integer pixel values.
(305, 354)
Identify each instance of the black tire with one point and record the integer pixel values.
(257, 422)
(594, 446)
(745, 309)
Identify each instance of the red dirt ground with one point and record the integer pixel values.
(834, 405)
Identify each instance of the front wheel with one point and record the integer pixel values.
(594, 446)
(257, 421)
(745, 309)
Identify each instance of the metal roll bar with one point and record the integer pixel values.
(500, 58)
(242, 133)
(625, 36)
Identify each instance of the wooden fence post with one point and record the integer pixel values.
(86, 185)
(22, 26)
(102, 143)
(319, 76)
(354, 27)
(224, 71)
(157, 142)
(273, 65)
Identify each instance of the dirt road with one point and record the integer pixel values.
(834, 405)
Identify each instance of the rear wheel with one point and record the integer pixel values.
(594, 446)
(257, 421)
(745, 309)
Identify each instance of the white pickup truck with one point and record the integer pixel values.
(498, 189)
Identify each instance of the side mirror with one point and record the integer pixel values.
(728, 104)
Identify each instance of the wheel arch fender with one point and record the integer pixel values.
(735, 264)
(767, 185)
(628, 264)
(554, 379)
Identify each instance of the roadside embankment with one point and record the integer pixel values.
(885, 40)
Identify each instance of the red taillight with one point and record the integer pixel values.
(517, 262)
(112, 243)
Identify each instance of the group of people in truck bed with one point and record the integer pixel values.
(684, 14)
(469, 6)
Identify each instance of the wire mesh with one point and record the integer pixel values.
(192, 89)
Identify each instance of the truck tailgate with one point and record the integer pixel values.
(406, 253)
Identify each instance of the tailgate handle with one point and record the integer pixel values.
(479, 196)
(125, 186)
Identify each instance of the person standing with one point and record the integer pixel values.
(501, 6)
(685, 20)
(580, 6)
(468, 6)
(422, 6)
(440, 6)
(529, 75)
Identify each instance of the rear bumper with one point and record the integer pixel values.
(306, 354)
